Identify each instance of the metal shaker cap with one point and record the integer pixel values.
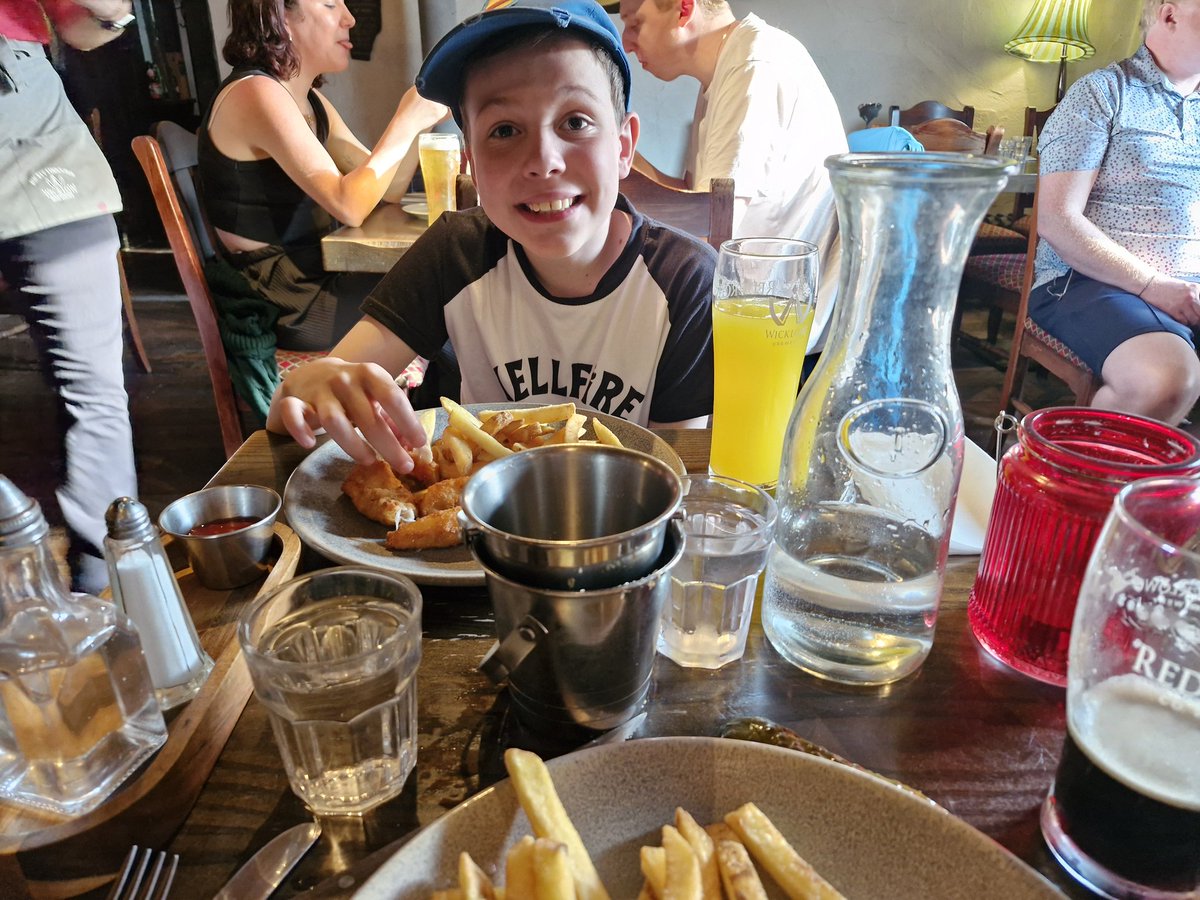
(21, 519)
(127, 519)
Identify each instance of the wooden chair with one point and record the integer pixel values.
(1032, 344)
(926, 110)
(952, 136)
(705, 214)
(188, 261)
(1035, 121)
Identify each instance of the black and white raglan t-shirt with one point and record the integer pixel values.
(640, 347)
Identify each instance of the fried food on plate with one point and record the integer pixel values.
(441, 468)
(438, 529)
(791, 871)
(442, 495)
(377, 493)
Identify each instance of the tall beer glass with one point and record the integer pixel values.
(441, 159)
(764, 293)
(1123, 815)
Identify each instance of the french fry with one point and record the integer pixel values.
(798, 879)
(552, 871)
(719, 831)
(519, 877)
(646, 893)
(574, 428)
(461, 453)
(473, 882)
(463, 413)
(554, 413)
(740, 880)
(549, 819)
(702, 846)
(604, 434)
(451, 894)
(469, 426)
(654, 868)
(683, 868)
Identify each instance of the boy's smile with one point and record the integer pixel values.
(547, 153)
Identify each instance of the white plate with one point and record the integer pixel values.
(418, 208)
(867, 837)
(327, 521)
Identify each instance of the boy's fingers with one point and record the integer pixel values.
(297, 417)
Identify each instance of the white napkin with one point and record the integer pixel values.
(974, 505)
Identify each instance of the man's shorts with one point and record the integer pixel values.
(1093, 318)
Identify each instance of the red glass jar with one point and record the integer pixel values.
(1054, 491)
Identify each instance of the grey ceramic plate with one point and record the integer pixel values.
(325, 519)
(869, 838)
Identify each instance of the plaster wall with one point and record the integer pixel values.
(890, 51)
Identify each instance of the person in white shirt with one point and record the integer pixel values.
(764, 118)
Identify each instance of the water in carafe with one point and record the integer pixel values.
(78, 713)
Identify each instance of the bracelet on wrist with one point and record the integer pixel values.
(1146, 286)
(115, 24)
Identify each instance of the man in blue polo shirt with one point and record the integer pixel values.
(1118, 267)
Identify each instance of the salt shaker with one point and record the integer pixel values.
(144, 586)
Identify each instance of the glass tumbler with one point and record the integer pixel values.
(333, 656)
(1055, 487)
(1123, 816)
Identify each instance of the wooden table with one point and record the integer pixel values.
(978, 738)
(375, 245)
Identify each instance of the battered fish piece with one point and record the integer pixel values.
(442, 495)
(377, 493)
(438, 529)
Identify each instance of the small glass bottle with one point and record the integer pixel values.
(144, 586)
(77, 709)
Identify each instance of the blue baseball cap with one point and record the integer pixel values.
(441, 75)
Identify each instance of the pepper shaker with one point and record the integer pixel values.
(144, 586)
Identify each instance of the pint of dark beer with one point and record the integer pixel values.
(1123, 815)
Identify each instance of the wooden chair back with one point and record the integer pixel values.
(149, 153)
(1032, 344)
(1035, 121)
(929, 109)
(705, 214)
(951, 135)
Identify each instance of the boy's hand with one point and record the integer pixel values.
(339, 396)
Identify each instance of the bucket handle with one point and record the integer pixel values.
(503, 658)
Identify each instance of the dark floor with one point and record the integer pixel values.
(175, 425)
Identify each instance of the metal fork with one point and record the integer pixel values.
(145, 875)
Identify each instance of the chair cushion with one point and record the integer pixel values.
(998, 239)
(1044, 337)
(1003, 270)
(1022, 224)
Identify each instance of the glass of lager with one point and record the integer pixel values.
(1123, 815)
(441, 159)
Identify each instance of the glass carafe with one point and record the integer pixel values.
(874, 448)
(77, 710)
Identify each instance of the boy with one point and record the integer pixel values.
(555, 287)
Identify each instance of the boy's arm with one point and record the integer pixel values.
(351, 389)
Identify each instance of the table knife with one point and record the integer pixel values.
(266, 869)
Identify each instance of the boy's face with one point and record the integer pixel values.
(546, 148)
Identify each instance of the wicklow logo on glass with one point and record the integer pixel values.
(781, 308)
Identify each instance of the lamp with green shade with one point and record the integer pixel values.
(1054, 31)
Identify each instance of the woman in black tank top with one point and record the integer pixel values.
(279, 168)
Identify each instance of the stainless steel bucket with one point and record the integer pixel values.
(578, 659)
(571, 516)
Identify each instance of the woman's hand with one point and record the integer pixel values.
(1179, 299)
(341, 396)
(421, 113)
